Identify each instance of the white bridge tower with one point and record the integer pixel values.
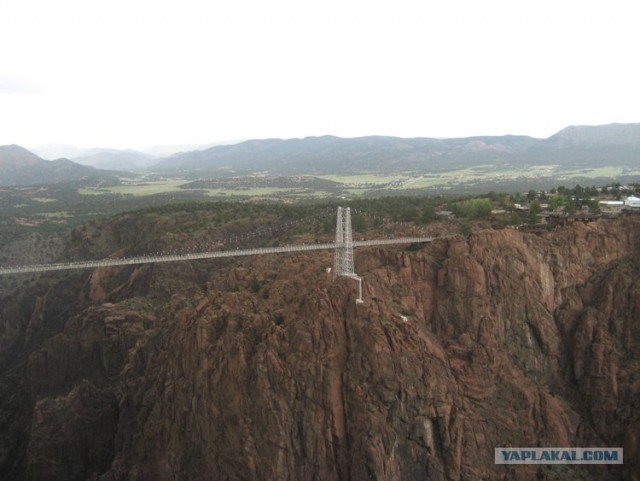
(344, 249)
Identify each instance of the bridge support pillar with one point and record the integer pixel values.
(344, 250)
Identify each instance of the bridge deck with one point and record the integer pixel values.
(201, 255)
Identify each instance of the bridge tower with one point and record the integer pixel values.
(344, 249)
(344, 241)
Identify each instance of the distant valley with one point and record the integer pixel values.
(579, 154)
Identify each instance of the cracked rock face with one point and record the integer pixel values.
(270, 370)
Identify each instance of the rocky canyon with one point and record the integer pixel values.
(265, 368)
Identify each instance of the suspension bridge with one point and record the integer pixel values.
(343, 246)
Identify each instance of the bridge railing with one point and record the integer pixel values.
(25, 269)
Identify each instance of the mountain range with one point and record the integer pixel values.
(573, 147)
(583, 146)
(118, 159)
(18, 166)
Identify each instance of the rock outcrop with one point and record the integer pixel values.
(270, 370)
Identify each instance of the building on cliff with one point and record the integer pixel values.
(632, 202)
(611, 206)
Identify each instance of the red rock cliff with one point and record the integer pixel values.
(272, 371)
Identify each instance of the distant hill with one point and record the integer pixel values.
(572, 148)
(615, 144)
(18, 166)
(100, 158)
(14, 158)
(330, 154)
(167, 150)
(611, 134)
(113, 159)
(104, 158)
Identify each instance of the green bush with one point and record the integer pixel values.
(472, 208)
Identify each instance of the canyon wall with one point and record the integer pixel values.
(266, 368)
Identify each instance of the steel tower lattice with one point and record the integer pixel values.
(344, 249)
(344, 244)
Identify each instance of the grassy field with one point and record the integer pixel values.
(174, 185)
(44, 200)
(598, 173)
(364, 183)
(263, 192)
(359, 180)
(138, 188)
(410, 180)
(58, 214)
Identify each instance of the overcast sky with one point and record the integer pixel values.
(140, 73)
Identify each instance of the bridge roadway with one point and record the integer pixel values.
(62, 266)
